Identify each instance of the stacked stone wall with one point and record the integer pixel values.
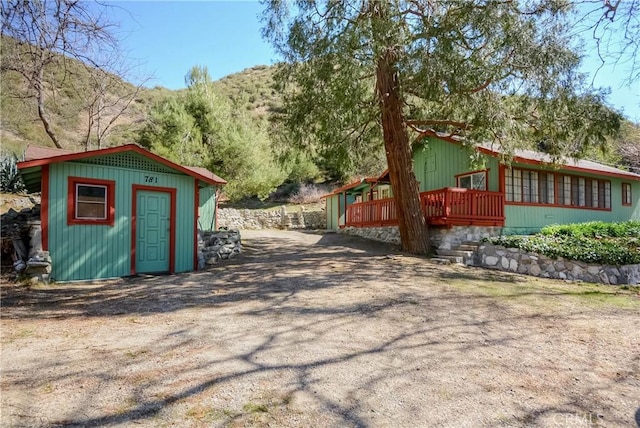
(217, 245)
(390, 234)
(442, 238)
(515, 260)
(277, 219)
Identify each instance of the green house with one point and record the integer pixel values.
(119, 211)
(519, 197)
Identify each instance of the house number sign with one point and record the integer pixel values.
(150, 179)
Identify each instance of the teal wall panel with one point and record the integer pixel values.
(438, 162)
(207, 218)
(102, 251)
(332, 212)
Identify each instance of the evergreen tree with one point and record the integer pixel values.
(483, 70)
(201, 128)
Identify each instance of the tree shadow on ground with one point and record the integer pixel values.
(248, 315)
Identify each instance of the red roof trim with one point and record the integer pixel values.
(114, 150)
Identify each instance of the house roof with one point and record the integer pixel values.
(581, 165)
(36, 157)
(383, 178)
(38, 152)
(532, 157)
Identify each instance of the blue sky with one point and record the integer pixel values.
(169, 37)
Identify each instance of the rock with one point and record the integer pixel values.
(513, 265)
(593, 270)
(491, 260)
(534, 270)
(504, 262)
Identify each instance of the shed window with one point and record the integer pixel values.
(626, 194)
(90, 201)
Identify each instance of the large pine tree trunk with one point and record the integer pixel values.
(413, 227)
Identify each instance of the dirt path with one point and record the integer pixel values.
(311, 330)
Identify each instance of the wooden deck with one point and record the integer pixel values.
(450, 206)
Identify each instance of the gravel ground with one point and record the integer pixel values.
(312, 330)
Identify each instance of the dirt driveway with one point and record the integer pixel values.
(313, 330)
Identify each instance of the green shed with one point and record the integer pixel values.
(119, 211)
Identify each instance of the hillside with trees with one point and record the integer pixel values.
(313, 119)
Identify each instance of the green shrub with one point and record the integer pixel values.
(593, 242)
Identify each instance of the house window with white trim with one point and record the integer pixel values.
(626, 194)
(474, 180)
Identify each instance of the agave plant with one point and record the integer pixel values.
(10, 179)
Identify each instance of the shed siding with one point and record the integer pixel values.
(437, 164)
(101, 251)
(207, 218)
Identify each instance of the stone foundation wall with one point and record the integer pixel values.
(442, 238)
(515, 260)
(389, 234)
(277, 219)
(217, 245)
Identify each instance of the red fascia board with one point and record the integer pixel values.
(114, 150)
(370, 180)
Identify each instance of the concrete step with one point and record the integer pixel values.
(441, 261)
(448, 259)
(455, 253)
(468, 247)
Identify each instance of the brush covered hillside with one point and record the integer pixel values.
(243, 134)
(251, 89)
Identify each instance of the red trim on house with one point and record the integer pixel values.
(216, 207)
(114, 150)
(625, 202)
(72, 182)
(172, 223)
(533, 204)
(196, 215)
(44, 207)
(501, 178)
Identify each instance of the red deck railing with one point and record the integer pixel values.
(448, 206)
(380, 212)
(456, 206)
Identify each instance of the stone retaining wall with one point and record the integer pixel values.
(515, 260)
(447, 238)
(277, 219)
(217, 245)
(389, 234)
(442, 238)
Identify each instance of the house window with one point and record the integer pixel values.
(537, 187)
(90, 201)
(513, 185)
(474, 180)
(626, 194)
